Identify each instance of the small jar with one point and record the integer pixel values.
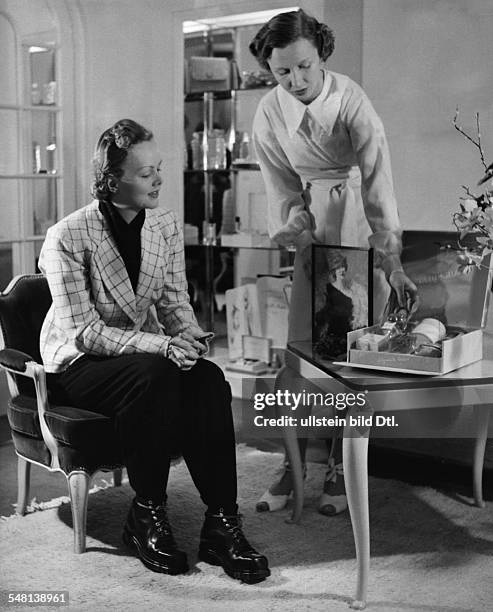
(209, 233)
(429, 331)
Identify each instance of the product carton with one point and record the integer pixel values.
(449, 290)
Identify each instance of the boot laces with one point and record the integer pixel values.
(160, 518)
(234, 525)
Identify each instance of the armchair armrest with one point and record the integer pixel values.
(17, 362)
(14, 360)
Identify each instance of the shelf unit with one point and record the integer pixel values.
(207, 100)
(30, 169)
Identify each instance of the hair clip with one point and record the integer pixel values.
(120, 138)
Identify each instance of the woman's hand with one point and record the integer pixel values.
(405, 290)
(183, 352)
(198, 339)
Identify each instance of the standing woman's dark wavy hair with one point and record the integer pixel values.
(111, 151)
(287, 28)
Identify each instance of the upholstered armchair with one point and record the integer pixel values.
(59, 438)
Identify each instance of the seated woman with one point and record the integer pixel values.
(121, 338)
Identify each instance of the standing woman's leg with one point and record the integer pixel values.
(299, 329)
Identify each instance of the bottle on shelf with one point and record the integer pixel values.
(209, 237)
(216, 157)
(232, 143)
(235, 75)
(245, 148)
(36, 157)
(196, 146)
(49, 93)
(51, 158)
(35, 94)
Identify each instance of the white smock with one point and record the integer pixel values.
(337, 143)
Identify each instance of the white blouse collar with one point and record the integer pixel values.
(324, 109)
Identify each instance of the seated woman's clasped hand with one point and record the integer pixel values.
(184, 349)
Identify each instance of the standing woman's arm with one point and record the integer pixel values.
(372, 153)
(370, 146)
(287, 215)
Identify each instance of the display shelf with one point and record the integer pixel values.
(37, 175)
(197, 96)
(209, 170)
(236, 166)
(31, 107)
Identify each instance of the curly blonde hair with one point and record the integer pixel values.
(111, 151)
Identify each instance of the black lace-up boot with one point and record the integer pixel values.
(222, 542)
(148, 531)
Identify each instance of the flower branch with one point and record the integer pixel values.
(476, 211)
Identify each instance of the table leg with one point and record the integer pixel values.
(355, 459)
(285, 380)
(482, 417)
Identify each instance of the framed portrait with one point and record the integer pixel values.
(342, 296)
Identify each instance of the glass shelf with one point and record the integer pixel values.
(235, 167)
(32, 107)
(40, 175)
(198, 96)
(208, 170)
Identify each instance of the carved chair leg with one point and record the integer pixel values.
(23, 483)
(117, 477)
(78, 484)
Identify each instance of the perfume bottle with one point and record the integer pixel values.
(35, 94)
(245, 149)
(394, 330)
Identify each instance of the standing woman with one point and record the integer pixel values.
(326, 166)
(121, 339)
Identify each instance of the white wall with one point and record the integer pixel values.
(128, 66)
(421, 59)
(134, 68)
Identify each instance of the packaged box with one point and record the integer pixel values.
(456, 352)
(207, 74)
(450, 291)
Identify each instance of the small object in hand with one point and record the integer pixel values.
(206, 338)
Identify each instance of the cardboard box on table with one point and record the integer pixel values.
(449, 291)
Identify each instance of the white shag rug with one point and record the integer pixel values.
(430, 553)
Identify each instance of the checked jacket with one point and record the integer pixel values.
(95, 310)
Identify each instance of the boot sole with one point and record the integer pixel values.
(247, 576)
(133, 543)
